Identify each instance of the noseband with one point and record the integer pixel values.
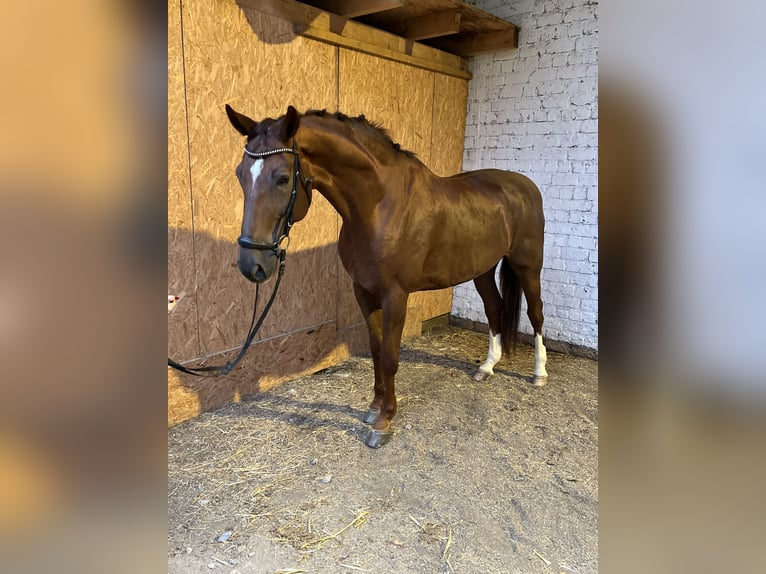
(284, 237)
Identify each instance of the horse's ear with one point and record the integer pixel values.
(241, 123)
(290, 123)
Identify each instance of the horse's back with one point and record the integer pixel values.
(500, 181)
(514, 193)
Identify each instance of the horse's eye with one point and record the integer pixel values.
(283, 180)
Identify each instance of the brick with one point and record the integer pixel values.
(511, 91)
(529, 36)
(585, 154)
(542, 75)
(580, 13)
(565, 179)
(575, 315)
(551, 87)
(550, 19)
(572, 72)
(560, 60)
(571, 254)
(586, 42)
(589, 126)
(584, 57)
(560, 45)
(539, 128)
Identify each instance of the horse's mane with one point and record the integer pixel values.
(375, 128)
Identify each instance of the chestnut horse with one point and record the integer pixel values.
(404, 230)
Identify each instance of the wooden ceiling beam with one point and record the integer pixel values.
(357, 8)
(368, 40)
(431, 25)
(471, 44)
(311, 22)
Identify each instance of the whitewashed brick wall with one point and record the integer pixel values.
(535, 110)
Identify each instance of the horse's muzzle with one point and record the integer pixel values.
(257, 266)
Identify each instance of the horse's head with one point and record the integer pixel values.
(273, 200)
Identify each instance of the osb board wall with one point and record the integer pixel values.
(233, 57)
(249, 61)
(182, 324)
(256, 64)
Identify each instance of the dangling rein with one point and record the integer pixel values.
(276, 247)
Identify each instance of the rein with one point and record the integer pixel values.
(247, 243)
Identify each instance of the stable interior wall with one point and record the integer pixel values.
(220, 53)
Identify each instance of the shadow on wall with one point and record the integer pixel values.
(281, 30)
(313, 323)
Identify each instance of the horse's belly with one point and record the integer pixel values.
(442, 271)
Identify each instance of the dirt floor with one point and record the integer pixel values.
(492, 477)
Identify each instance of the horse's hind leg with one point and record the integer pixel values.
(490, 296)
(530, 283)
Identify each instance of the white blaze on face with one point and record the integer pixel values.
(494, 353)
(255, 169)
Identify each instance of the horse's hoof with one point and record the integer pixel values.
(377, 438)
(481, 376)
(370, 416)
(539, 381)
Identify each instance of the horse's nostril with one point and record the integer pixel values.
(258, 273)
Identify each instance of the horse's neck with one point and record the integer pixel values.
(342, 169)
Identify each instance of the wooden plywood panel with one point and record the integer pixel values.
(183, 341)
(397, 96)
(448, 135)
(255, 63)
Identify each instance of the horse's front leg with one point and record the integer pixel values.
(371, 310)
(394, 311)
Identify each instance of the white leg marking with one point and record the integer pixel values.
(540, 357)
(494, 353)
(255, 169)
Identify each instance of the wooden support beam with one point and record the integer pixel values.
(471, 44)
(356, 8)
(331, 29)
(385, 45)
(430, 25)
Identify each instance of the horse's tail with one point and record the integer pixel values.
(509, 318)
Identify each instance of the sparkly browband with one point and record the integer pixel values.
(269, 152)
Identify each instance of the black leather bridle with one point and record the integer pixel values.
(245, 241)
(278, 249)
